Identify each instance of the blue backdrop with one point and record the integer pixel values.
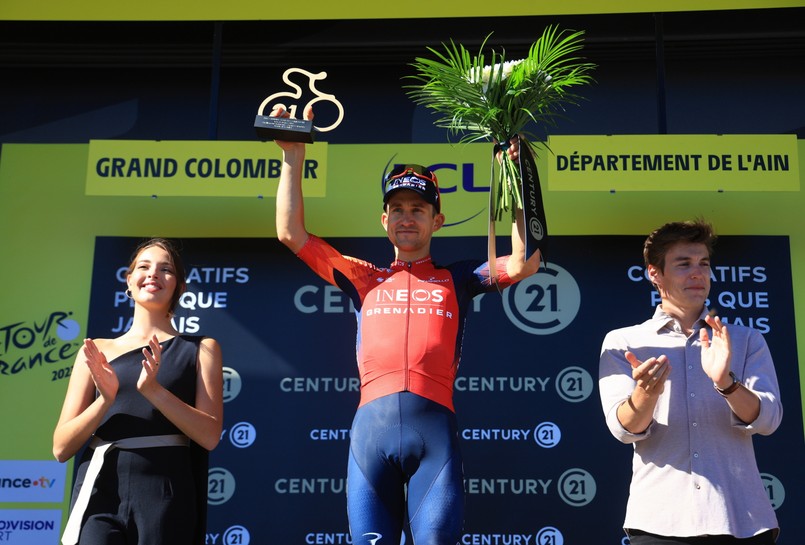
(540, 466)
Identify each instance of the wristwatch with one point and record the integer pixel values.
(729, 389)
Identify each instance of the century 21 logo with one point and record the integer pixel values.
(543, 303)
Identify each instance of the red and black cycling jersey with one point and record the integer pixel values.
(410, 317)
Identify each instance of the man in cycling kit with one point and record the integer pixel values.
(404, 460)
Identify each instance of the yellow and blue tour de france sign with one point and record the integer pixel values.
(673, 163)
(196, 168)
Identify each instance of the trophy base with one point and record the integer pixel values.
(284, 128)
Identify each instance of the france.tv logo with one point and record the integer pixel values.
(32, 481)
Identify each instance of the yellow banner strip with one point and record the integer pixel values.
(673, 163)
(245, 10)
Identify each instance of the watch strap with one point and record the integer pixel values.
(729, 389)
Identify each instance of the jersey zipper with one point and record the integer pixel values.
(406, 383)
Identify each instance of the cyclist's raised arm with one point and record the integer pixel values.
(290, 214)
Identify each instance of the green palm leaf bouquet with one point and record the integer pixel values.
(497, 101)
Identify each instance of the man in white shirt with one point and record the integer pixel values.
(688, 393)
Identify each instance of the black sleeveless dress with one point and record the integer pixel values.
(149, 495)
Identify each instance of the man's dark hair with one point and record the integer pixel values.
(658, 243)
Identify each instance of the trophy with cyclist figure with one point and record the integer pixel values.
(291, 128)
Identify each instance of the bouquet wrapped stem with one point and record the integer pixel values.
(498, 101)
(507, 196)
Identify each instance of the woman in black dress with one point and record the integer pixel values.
(150, 403)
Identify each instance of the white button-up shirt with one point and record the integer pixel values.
(694, 470)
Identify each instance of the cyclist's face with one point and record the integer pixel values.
(410, 221)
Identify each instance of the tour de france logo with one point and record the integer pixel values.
(543, 303)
